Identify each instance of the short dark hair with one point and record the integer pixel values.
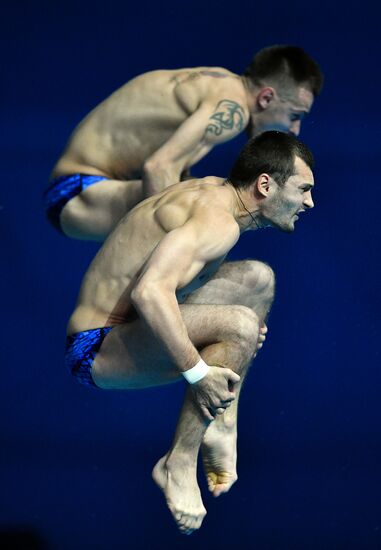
(281, 62)
(270, 153)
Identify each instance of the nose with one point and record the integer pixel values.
(295, 128)
(308, 202)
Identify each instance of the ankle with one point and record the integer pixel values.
(176, 459)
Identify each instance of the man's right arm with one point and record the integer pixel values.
(174, 263)
(215, 121)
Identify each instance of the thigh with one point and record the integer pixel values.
(94, 213)
(130, 357)
(249, 283)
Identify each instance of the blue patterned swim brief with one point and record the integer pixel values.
(61, 190)
(81, 349)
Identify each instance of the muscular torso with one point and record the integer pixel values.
(104, 297)
(121, 133)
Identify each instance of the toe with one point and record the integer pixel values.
(212, 479)
(188, 522)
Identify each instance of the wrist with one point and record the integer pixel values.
(196, 373)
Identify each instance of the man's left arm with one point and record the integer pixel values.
(214, 122)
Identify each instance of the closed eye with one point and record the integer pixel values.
(296, 116)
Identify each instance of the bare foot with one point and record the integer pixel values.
(219, 454)
(179, 485)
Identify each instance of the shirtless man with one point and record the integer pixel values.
(148, 133)
(158, 304)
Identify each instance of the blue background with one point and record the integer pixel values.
(75, 463)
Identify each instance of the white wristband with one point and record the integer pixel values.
(197, 372)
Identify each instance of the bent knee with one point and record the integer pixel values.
(260, 277)
(244, 325)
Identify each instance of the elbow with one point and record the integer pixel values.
(157, 175)
(152, 166)
(142, 294)
(159, 167)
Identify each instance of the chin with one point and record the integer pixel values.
(289, 228)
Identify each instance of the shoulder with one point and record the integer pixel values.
(209, 85)
(200, 209)
(222, 85)
(217, 233)
(227, 102)
(215, 224)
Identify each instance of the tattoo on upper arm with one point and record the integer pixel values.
(228, 115)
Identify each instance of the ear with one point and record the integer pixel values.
(263, 185)
(265, 97)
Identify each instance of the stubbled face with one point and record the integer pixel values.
(283, 208)
(284, 113)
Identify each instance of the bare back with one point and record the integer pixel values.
(104, 297)
(118, 136)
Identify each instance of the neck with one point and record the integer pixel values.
(251, 92)
(247, 216)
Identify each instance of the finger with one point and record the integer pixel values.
(261, 338)
(220, 410)
(207, 414)
(228, 399)
(264, 329)
(232, 376)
